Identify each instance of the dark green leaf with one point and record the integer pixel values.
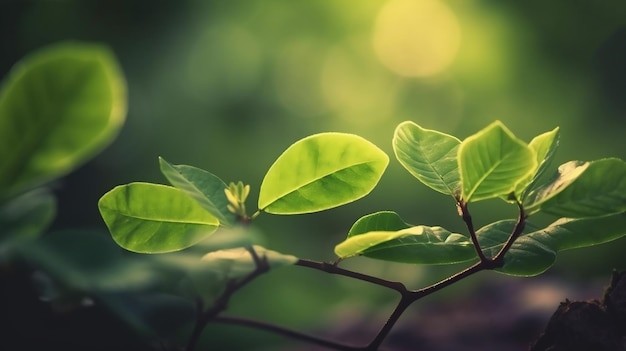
(565, 175)
(27, 216)
(598, 190)
(202, 186)
(536, 251)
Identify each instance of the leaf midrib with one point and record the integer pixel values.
(148, 219)
(278, 197)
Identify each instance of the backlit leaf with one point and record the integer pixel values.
(418, 245)
(492, 162)
(379, 221)
(544, 146)
(321, 171)
(153, 218)
(429, 155)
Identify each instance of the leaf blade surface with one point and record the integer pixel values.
(153, 218)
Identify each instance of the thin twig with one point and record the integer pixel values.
(467, 218)
(408, 297)
(517, 231)
(288, 333)
(334, 269)
(220, 304)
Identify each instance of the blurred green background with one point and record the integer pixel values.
(228, 85)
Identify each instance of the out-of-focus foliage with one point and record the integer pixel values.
(58, 108)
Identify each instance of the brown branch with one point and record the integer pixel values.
(408, 297)
(334, 269)
(467, 218)
(517, 231)
(287, 333)
(220, 304)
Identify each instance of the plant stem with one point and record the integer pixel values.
(287, 332)
(517, 231)
(407, 298)
(220, 304)
(467, 218)
(402, 305)
(334, 269)
(475, 268)
(410, 296)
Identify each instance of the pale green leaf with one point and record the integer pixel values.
(418, 245)
(379, 221)
(598, 191)
(492, 162)
(544, 147)
(153, 218)
(58, 107)
(429, 155)
(202, 186)
(321, 171)
(238, 262)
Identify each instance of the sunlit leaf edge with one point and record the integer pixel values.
(387, 246)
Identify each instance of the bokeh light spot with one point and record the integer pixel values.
(417, 38)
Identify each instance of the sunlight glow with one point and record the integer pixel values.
(417, 38)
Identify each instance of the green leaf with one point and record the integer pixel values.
(566, 174)
(58, 108)
(536, 251)
(202, 186)
(524, 257)
(588, 190)
(492, 162)
(418, 245)
(429, 155)
(27, 216)
(238, 262)
(379, 221)
(320, 172)
(544, 146)
(153, 218)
